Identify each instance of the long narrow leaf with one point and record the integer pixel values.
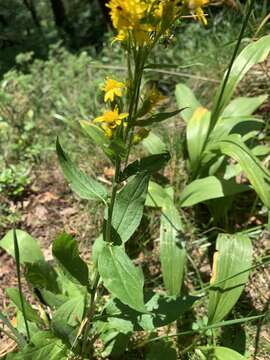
(209, 188)
(234, 254)
(252, 54)
(258, 176)
(80, 183)
(129, 204)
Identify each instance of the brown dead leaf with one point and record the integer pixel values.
(108, 172)
(47, 197)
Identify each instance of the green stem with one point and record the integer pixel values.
(17, 257)
(91, 310)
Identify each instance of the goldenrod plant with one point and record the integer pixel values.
(102, 308)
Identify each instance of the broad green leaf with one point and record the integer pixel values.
(150, 164)
(121, 277)
(30, 313)
(83, 185)
(234, 124)
(160, 350)
(97, 248)
(154, 145)
(28, 247)
(252, 54)
(233, 256)
(20, 325)
(65, 250)
(97, 135)
(129, 205)
(163, 310)
(42, 275)
(157, 195)
(243, 106)
(43, 346)
(156, 118)
(196, 133)
(172, 252)
(223, 353)
(258, 176)
(67, 317)
(261, 150)
(114, 341)
(209, 188)
(186, 98)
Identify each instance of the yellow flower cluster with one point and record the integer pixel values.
(143, 18)
(112, 88)
(111, 118)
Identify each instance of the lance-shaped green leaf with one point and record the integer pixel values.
(258, 176)
(29, 249)
(186, 98)
(156, 118)
(231, 265)
(129, 204)
(252, 54)
(209, 188)
(65, 250)
(154, 144)
(172, 251)
(222, 353)
(83, 185)
(244, 106)
(234, 124)
(30, 313)
(149, 164)
(196, 133)
(121, 277)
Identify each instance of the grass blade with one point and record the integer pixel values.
(17, 258)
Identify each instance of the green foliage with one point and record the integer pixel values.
(65, 250)
(84, 186)
(121, 277)
(108, 300)
(28, 247)
(129, 207)
(234, 256)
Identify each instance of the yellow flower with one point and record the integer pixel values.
(131, 16)
(127, 14)
(110, 120)
(112, 88)
(196, 8)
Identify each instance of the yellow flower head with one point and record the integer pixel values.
(110, 120)
(196, 8)
(112, 89)
(131, 16)
(127, 14)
